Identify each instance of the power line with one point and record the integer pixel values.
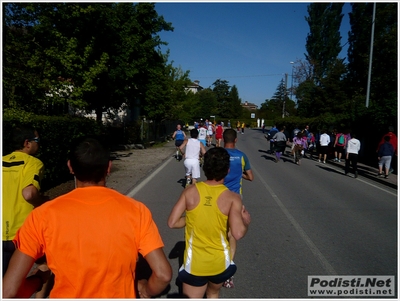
(237, 76)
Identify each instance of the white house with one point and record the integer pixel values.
(195, 87)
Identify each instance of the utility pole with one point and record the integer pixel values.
(370, 55)
(285, 96)
(291, 86)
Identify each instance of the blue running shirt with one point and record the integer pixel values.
(238, 163)
(179, 135)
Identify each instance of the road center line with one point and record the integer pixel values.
(314, 249)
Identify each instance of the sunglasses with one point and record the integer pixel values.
(36, 139)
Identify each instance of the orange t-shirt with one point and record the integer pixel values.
(91, 237)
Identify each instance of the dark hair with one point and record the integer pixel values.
(194, 133)
(387, 138)
(216, 163)
(229, 135)
(89, 160)
(20, 134)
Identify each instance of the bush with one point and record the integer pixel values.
(56, 136)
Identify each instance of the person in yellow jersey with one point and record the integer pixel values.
(207, 210)
(22, 173)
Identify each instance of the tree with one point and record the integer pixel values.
(177, 100)
(235, 107)
(322, 89)
(206, 105)
(323, 41)
(222, 92)
(273, 108)
(383, 89)
(107, 53)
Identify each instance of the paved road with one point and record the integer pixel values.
(306, 220)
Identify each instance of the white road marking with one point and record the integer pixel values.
(314, 249)
(148, 179)
(366, 182)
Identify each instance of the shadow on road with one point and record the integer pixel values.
(177, 252)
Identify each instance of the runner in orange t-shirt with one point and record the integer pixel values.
(91, 237)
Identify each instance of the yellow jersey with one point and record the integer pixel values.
(19, 171)
(207, 251)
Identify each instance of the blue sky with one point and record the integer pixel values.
(249, 44)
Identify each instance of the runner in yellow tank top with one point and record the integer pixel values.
(207, 247)
(210, 209)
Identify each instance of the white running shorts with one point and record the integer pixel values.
(192, 167)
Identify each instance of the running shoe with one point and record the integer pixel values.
(229, 283)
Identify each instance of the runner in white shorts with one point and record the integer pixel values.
(210, 132)
(192, 154)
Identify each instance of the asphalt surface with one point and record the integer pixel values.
(306, 220)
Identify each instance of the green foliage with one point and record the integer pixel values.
(323, 41)
(206, 104)
(56, 135)
(383, 105)
(227, 100)
(273, 108)
(93, 56)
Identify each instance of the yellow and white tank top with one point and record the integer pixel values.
(207, 250)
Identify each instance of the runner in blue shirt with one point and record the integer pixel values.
(179, 137)
(239, 169)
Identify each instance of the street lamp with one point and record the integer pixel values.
(291, 86)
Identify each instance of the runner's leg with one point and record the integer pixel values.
(213, 289)
(194, 292)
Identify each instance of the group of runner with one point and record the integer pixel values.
(69, 243)
(197, 281)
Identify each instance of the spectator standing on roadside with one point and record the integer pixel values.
(179, 137)
(77, 232)
(393, 142)
(311, 144)
(353, 147)
(339, 145)
(22, 174)
(385, 154)
(324, 141)
(207, 260)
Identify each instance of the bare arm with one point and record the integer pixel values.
(182, 146)
(32, 196)
(160, 277)
(202, 149)
(248, 175)
(239, 218)
(336, 140)
(14, 282)
(176, 219)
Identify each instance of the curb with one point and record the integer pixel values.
(127, 147)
